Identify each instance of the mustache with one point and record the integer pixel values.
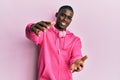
(64, 22)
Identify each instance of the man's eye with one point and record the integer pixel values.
(70, 18)
(62, 14)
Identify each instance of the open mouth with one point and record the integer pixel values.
(63, 24)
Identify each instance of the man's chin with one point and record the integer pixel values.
(63, 27)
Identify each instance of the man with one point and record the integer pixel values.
(60, 50)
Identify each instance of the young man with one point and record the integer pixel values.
(60, 50)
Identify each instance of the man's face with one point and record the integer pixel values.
(64, 18)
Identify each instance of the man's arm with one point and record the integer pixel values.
(34, 31)
(30, 34)
(77, 60)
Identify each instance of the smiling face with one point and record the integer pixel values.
(64, 18)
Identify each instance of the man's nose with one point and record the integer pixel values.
(65, 18)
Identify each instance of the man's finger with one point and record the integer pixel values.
(84, 58)
(53, 23)
(42, 24)
(73, 68)
(49, 23)
(37, 32)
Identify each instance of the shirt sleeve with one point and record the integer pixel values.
(76, 52)
(32, 36)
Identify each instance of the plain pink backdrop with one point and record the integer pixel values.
(97, 22)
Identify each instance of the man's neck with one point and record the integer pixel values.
(60, 29)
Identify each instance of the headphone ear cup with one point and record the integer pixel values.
(62, 33)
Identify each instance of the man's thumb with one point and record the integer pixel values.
(52, 23)
(84, 58)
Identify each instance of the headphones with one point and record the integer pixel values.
(62, 33)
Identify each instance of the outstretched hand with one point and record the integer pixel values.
(78, 64)
(41, 26)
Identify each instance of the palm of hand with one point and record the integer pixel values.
(78, 64)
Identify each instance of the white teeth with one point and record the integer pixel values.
(63, 23)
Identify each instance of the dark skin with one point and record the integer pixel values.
(63, 19)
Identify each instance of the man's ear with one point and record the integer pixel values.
(56, 14)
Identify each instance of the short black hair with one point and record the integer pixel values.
(66, 7)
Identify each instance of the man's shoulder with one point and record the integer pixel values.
(72, 35)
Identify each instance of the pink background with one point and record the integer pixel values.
(97, 22)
